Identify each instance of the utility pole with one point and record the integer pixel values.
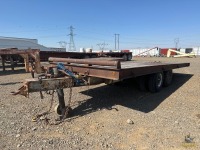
(176, 41)
(71, 43)
(116, 41)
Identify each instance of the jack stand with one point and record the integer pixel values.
(62, 109)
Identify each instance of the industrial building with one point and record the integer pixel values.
(25, 43)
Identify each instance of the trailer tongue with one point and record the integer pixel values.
(63, 73)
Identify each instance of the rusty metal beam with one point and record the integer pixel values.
(36, 85)
(87, 61)
(33, 53)
(26, 61)
(93, 71)
(36, 56)
(128, 70)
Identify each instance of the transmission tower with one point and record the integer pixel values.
(71, 42)
(102, 45)
(176, 41)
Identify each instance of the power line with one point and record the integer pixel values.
(62, 44)
(102, 45)
(176, 41)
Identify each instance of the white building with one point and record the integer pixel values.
(196, 50)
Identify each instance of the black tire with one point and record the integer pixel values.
(125, 57)
(155, 82)
(129, 57)
(58, 110)
(167, 78)
(142, 83)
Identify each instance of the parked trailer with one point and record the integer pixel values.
(14, 56)
(44, 55)
(65, 73)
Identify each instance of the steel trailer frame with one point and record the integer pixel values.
(95, 71)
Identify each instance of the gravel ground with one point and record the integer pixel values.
(106, 117)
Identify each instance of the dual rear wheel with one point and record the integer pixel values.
(155, 82)
(127, 57)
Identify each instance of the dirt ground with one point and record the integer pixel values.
(160, 121)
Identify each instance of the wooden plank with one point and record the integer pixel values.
(26, 61)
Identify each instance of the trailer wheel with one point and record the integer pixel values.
(167, 78)
(129, 57)
(58, 110)
(125, 57)
(155, 82)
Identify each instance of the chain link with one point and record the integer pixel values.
(70, 93)
(37, 117)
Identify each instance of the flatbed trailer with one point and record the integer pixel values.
(65, 73)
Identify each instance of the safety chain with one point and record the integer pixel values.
(67, 110)
(48, 92)
(39, 116)
(66, 113)
(70, 92)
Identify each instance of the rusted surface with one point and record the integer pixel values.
(93, 71)
(111, 73)
(128, 69)
(36, 85)
(87, 61)
(33, 53)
